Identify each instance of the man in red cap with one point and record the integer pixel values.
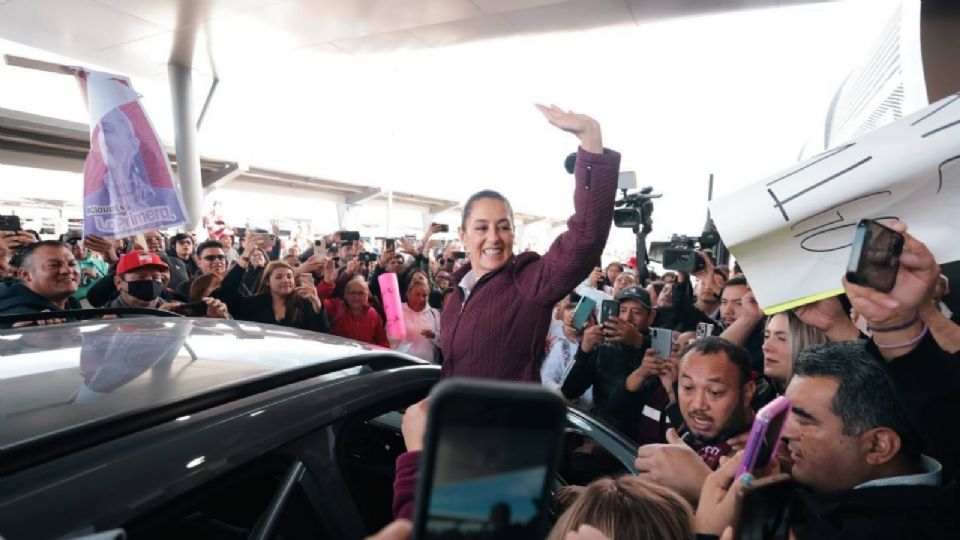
(139, 280)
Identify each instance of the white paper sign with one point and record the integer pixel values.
(791, 232)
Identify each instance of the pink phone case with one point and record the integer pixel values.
(766, 415)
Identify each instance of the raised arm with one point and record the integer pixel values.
(575, 252)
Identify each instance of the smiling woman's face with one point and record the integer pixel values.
(488, 235)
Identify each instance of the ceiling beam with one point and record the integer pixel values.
(216, 179)
(363, 196)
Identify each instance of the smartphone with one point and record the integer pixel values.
(440, 227)
(320, 245)
(10, 223)
(486, 469)
(765, 511)
(336, 261)
(765, 435)
(609, 308)
(389, 244)
(349, 236)
(580, 315)
(459, 255)
(661, 340)
(704, 330)
(306, 279)
(874, 256)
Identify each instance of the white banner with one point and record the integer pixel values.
(791, 232)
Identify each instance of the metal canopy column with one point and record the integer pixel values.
(185, 133)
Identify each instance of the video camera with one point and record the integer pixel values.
(680, 253)
(638, 211)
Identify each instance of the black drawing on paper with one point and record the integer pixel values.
(946, 104)
(953, 166)
(780, 201)
(826, 231)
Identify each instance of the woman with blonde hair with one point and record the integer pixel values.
(625, 508)
(784, 338)
(278, 300)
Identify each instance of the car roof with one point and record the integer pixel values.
(60, 382)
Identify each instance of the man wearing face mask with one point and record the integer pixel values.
(139, 280)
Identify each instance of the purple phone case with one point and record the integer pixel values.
(759, 431)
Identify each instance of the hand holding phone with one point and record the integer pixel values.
(484, 467)
(765, 435)
(661, 340)
(874, 256)
(582, 313)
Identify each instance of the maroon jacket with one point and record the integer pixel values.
(501, 329)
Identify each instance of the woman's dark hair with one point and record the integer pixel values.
(200, 286)
(292, 301)
(485, 194)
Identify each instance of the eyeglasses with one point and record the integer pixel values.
(211, 258)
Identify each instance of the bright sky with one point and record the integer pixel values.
(736, 95)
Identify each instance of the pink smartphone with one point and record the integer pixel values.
(765, 435)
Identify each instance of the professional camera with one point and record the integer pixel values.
(638, 211)
(680, 253)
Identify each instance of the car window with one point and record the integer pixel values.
(230, 506)
(584, 460)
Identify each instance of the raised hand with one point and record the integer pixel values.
(618, 330)
(407, 246)
(674, 465)
(592, 336)
(309, 293)
(916, 280)
(827, 316)
(13, 240)
(585, 128)
(595, 276)
(102, 246)
(330, 272)
(652, 365)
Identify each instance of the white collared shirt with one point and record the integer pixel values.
(467, 284)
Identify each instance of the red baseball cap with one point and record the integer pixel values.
(632, 262)
(139, 259)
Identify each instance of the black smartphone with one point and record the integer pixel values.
(349, 236)
(440, 227)
(609, 308)
(486, 470)
(459, 255)
(874, 256)
(765, 514)
(10, 223)
(389, 243)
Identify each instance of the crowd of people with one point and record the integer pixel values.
(873, 377)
